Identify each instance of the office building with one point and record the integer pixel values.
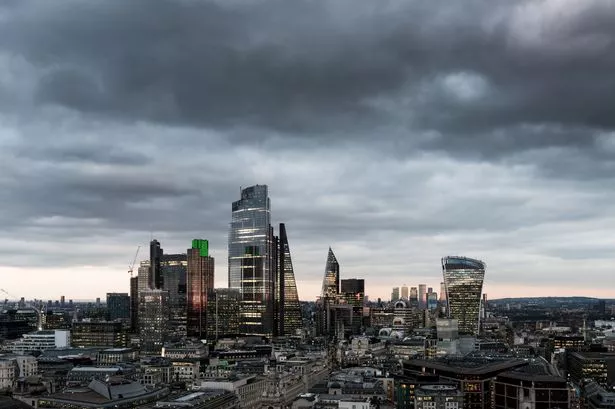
(438, 396)
(331, 282)
(223, 312)
(404, 293)
(134, 303)
(463, 279)
(442, 293)
(98, 334)
(596, 366)
(173, 272)
(118, 307)
(432, 301)
(41, 341)
(251, 268)
(395, 294)
(154, 315)
(287, 308)
(474, 375)
(155, 259)
(353, 291)
(200, 282)
(422, 296)
(533, 387)
(144, 278)
(414, 296)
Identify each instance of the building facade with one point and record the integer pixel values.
(153, 319)
(463, 279)
(250, 263)
(200, 282)
(118, 307)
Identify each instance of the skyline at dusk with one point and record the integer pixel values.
(395, 133)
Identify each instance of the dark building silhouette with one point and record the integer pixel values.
(200, 281)
(353, 291)
(155, 258)
(134, 303)
(118, 307)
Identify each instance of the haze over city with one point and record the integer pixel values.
(395, 132)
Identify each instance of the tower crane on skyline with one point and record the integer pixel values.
(28, 304)
(134, 260)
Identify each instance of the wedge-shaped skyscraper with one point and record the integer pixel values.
(463, 280)
(288, 314)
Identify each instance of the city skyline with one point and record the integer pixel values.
(484, 131)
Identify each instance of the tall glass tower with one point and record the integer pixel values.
(331, 282)
(250, 266)
(463, 280)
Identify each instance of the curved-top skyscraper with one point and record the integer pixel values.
(463, 279)
(331, 282)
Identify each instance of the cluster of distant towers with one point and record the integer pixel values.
(340, 309)
(173, 295)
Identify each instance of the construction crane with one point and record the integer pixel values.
(134, 261)
(39, 311)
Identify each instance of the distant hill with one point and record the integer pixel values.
(547, 300)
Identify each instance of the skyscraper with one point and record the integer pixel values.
(331, 282)
(155, 258)
(173, 270)
(422, 296)
(463, 279)
(288, 310)
(404, 292)
(200, 281)
(134, 303)
(251, 270)
(395, 294)
(414, 296)
(442, 293)
(153, 319)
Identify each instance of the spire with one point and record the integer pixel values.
(331, 282)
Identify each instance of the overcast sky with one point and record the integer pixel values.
(395, 131)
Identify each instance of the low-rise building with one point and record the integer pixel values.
(438, 397)
(41, 341)
(206, 399)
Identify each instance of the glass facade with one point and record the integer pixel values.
(331, 283)
(289, 311)
(200, 281)
(463, 281)
(251, 270)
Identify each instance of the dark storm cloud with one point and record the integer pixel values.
(473, 72)
(393, 130)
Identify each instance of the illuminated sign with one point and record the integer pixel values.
(202, 245)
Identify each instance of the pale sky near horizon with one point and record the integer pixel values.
(397, 132)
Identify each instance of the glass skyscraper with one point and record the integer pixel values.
(200, 282)
(463, 280)
(250, 267)
(331, 282)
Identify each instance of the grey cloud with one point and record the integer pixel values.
(305, 66)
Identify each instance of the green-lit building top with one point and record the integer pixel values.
(202, 245)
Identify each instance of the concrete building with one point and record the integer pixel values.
(438, 396)
(40, 341)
